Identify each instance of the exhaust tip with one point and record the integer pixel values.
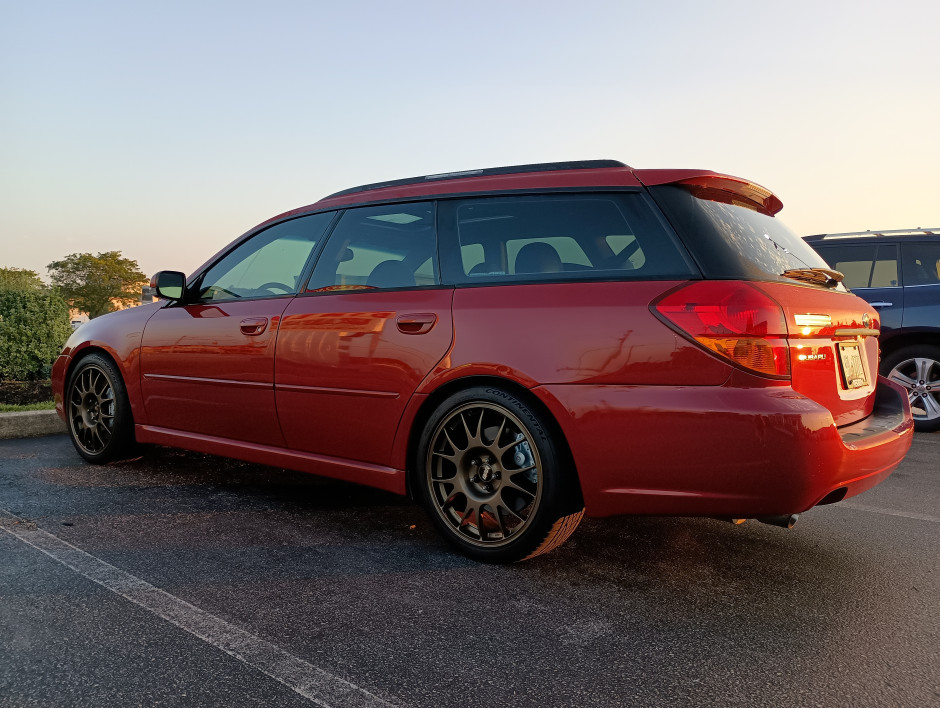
(785, 521)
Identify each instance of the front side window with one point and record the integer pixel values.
(380, 247)
(270, 264)
(560, 236)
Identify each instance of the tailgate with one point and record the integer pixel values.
(833, 340)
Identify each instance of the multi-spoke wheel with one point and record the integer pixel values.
(917, 368)
(491, 478)
(99, 416)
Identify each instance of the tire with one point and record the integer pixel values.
(917, 368)
(98, 413)
(493, 480)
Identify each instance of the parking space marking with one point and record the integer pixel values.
(891, 512)
(311, 682)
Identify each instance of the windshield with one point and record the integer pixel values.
(732, 241)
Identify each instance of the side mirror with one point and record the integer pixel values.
(169, 284)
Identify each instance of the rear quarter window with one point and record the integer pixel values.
(557, 237)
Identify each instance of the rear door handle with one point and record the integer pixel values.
(881, 304)
(417, 323)
(254, 325)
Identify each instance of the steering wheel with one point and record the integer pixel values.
(211, 292)
(280, 286)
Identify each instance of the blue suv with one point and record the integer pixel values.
(898, 272)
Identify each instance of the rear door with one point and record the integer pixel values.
(373, 322)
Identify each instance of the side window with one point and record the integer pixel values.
(379, 247)
(921, 263)
(854, 262)
(560, 236)
(269, 264)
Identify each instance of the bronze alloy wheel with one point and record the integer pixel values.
(99, 416)
(91, 407)
(484, 474)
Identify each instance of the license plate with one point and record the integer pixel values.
(853, 371)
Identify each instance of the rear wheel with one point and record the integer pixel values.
(99, 415)
(917, 368)
(492, 479)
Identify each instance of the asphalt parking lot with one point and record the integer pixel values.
(187, 580)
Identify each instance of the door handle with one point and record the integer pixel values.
(254, 325)
(418, 323)
(881, 304)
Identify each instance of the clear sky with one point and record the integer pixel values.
(166, 129)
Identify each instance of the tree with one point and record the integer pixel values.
(97, 284)
(20, 279)
(34, 324)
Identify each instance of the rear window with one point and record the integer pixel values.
(560, 237)
(733, 241)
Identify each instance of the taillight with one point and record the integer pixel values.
(732, 319)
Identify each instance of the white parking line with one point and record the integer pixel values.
(891, 512)
(313, 683)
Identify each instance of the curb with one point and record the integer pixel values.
(30, 424)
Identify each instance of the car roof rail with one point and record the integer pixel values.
(933, 231)
(511, 169)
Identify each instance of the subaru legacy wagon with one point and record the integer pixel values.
(513, 348)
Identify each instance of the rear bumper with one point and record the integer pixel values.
(717, 451)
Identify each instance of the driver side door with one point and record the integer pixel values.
(207, 364)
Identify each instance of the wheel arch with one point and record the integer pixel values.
(929, 338)
(130, 385)
(436, 397)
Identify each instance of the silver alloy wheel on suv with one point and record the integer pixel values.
(918, 370)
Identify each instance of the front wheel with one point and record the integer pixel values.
(917, 368)
(493, 480)
(99, 415)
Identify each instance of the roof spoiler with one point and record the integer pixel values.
(716, 188)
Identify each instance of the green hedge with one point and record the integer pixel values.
(34, 325)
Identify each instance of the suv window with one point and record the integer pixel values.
(379, 247)
(864, 265)
(921, 263)
(559, 236)
(269, 264)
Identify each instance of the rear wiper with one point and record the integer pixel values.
(816, 276)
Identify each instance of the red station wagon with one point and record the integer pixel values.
(514, 348)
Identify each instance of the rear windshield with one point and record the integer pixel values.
(731, 241)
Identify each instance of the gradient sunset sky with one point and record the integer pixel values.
(164, 130)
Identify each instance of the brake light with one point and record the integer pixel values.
(734, 320)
